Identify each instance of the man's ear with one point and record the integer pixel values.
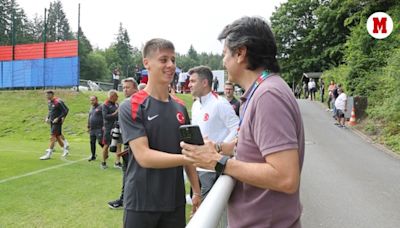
(241, 54)
(146, 63)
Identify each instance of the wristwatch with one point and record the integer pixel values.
(220, 166)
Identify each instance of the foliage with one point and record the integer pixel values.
(94, 67)
(58, 27)
(371, 68)
(9, 12)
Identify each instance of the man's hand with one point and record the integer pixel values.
(204, 156)
(55, 120)
(196, 201)
(47, 120)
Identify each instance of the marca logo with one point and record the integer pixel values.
(380, 25)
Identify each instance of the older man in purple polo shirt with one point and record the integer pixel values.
(270, 145)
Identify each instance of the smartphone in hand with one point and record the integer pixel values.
(191, 134)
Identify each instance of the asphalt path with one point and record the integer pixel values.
(346, 180)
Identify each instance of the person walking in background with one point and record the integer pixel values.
(182, 81)
(331, 88)
(116, 76)
(341, 107)
(129, 87)
(312, 88)
(110, 118)
(305, 90)
(322, 89)
(55, 117)
(154, 193)
(268, 164)
(297, 91)
(215, 84)
(95, 126)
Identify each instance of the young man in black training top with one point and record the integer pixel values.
(95, 126)
(55, 117)
(154, 186)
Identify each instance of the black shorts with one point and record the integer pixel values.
(339, 113)
(55, 129)
(107, 136)
(173, 219)
(98, 133)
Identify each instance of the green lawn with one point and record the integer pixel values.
(58, 192)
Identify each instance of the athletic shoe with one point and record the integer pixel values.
(116, 204)
(66, 145)
(118, 165)
(65, 153)
(103, 165)
(47, 155)
(92, 158)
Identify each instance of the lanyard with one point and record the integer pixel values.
(264, 75)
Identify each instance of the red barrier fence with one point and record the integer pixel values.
(35, 51)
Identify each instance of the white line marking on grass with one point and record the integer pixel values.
(41, 170)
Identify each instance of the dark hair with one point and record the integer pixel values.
(254, 34)
(50, 92)
(204, 72)
(156, 44)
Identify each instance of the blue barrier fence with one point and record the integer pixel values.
(40, 72)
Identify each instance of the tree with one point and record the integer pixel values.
(9, 12)
(85, 48)
(124, 51)
(95, 67)
(192, 53)
(292, 24)
(58, 28)
(36, 29)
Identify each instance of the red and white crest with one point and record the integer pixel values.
(180, 117)
(206, 117)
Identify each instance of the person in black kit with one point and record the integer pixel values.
(110, 116)
(228, 91)
(129, 87)
(95, 126)
(154, 188)
(56, 115)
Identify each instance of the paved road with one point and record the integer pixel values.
(346, 181)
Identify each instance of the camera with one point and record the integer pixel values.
(115, 136)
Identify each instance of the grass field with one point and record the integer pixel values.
(58, 192)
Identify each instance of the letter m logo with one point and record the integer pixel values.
(379, 25)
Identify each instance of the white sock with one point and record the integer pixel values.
(65, 142)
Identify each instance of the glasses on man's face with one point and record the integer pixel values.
(228, 89)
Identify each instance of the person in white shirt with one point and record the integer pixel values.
(312, 88)
(341, 104)
(214, 115)
(181, 81)
(115, 77)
